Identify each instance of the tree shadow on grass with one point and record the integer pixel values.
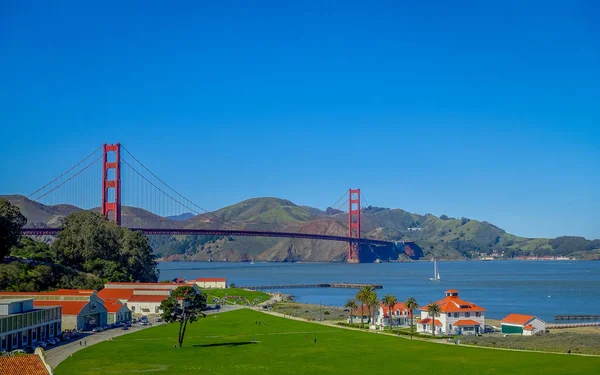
(229, 344)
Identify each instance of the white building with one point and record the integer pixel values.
(457, 316)
(211, 282)
(22, 324)
(400, 315)
(146, 304)
(525, 325)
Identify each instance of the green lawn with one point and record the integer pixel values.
(224, 345)
(237, 296)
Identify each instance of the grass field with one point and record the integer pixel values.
(236, 296)
(224, 345)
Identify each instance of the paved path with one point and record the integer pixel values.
(59, 353)
(55, 355)
(435, 341)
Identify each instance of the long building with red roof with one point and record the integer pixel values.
(81, 309)
(457, 317)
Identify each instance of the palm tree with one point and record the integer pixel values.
(351, 305)
(373, 306)
(433, 309)
(411, 304)
(390, 301)
(363, 296)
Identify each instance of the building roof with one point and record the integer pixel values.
(517, 319)
(68, 307)
(147, 298)
(428, 321)
(22, 365)
(112, 305)
(60, 292)
(398, 306)
(212, 279)
(115, 293)
(76, 291)
(357, 311)
(455, 304)
(466, 323)
(528, 327)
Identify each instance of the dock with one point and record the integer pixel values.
(577, 317)
(572, 325)
(319, 285)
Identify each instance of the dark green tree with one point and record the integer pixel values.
(183, 306)
(11, 223)
(91, 243)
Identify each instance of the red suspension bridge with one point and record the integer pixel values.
(152, 204)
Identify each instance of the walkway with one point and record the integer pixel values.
(436, 341)
(57, 354)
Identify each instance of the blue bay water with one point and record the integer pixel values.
(541, 288)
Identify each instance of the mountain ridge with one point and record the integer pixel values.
(441, 237)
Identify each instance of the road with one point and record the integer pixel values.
(59, 353)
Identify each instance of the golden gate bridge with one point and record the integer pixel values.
(127, 182)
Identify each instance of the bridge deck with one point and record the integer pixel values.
(226, 232)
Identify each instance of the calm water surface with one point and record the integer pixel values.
(542, 288)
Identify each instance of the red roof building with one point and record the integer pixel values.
(520, 324)
(456, 316)
(24, 365)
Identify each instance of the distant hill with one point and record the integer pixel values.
(441, 237)
(182, 217)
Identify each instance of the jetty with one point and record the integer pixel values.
(319, 285)
(577, 317)
(572, 325)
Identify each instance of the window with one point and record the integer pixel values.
(478, 314)
(34, 334)
(456, 315)
(424, 327)
(15, 340)
(156, 309)
(467, 315)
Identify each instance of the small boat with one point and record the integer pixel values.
(252, 261)
(436, 272)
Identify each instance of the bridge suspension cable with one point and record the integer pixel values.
(157, 200)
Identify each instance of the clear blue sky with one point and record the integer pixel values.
(489, 110)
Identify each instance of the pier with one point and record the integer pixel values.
(319, 285)
(572, 325)
(577, 317)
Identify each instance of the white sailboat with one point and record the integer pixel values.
(252, 261)
(436, 272)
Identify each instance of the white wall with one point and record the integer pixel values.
(448, 321)
(144, 308)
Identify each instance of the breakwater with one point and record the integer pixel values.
(318, 285)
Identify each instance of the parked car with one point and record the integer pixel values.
(144, 323)
(159, 319)
(134, 320)
(128, 324)
(124, 328)
(29, 349)
(97, 329)
(42, 343)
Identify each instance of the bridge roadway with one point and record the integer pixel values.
(225, 232)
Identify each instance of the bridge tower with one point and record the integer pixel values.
(111, 179)
(354, 225)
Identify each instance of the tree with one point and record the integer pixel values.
(390, 301)
(11, 223)
(90, 243)
(364, 295)
(411, 304)
(183, 306)
(373, 306)
(351, 305)
(433, 309)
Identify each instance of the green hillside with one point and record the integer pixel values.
(441, 237)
